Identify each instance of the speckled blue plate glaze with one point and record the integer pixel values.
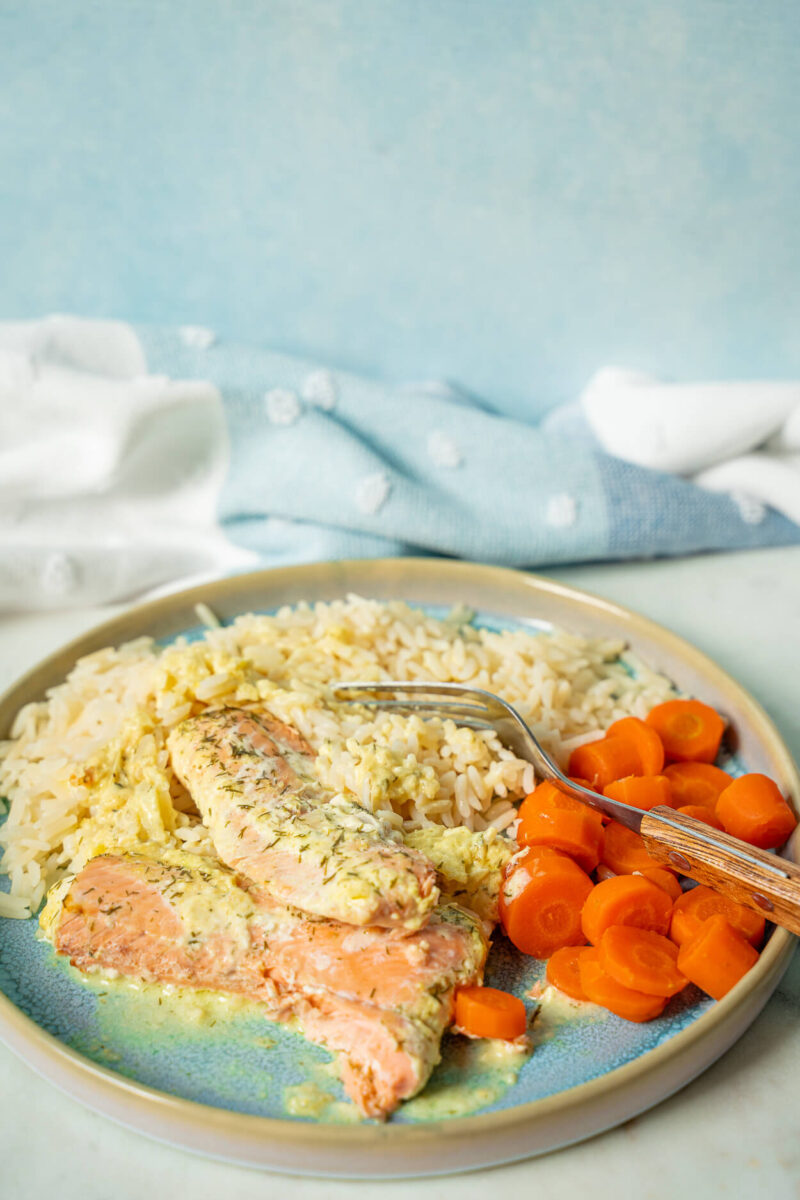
(245, 1063)
(220, 1090)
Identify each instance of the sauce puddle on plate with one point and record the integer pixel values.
(234, 1057)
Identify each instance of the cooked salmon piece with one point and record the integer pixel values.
(252, 778)
(380, 1000)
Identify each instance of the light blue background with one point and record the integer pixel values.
(504, 194)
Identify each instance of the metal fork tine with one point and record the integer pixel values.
(474, 723)
(462, 714)
(393, 688)
(427, 711)
(437, 707)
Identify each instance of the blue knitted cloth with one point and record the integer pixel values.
(326, 464)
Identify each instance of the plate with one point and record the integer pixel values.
(223, 1094)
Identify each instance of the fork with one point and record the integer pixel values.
(764, 882)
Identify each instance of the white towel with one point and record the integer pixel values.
(740, 438)
(109, 476)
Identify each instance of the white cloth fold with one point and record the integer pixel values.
(109, 476)
(740, 438)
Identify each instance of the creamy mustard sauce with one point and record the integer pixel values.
(313, 1102)
(152, 1006)
(473, 1074)
(306, 1100)
(470, 865)
(557, 1009)
(155, 1004)
(131, 1008)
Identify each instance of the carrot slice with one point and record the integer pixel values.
(605, 760)
(487, 1012)
(699, 905)
(623, 850)
(541, 902)
(602, 988)
(533, 852)
(549, 817)
(717, 957)
(640, 791)
(663, 878)
(702, 812)
(585, 783)
(647, 742)
(626, 900)
(696, 783)
(563, 971)
(690, 730)
(534, 800)
(752, 808)
(642, 960)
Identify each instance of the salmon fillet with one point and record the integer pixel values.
(252, 778)
(381, 1001)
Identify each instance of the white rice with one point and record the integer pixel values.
(108, 722)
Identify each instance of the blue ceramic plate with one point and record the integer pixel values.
(247, 1089)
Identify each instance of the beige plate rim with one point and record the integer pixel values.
(253, 1139)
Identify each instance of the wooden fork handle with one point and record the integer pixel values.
(767, 884)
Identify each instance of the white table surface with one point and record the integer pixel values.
(731, 1133)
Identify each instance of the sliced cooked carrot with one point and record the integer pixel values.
(642, 960)
(585, 783)
(487, 1012)
(533, 852)
(548, 794)
(601, 988)
(752, 808)
(623, 850)
(696, 783)
(690, 730)
(663, 879)
(701, 812)
(647, 742)
(549, 817)
(533, 801)
(717, 957)
(563, 971)
(603, 761)
(626, 900)
(541, 902)
(640, 791)
(697, 906)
